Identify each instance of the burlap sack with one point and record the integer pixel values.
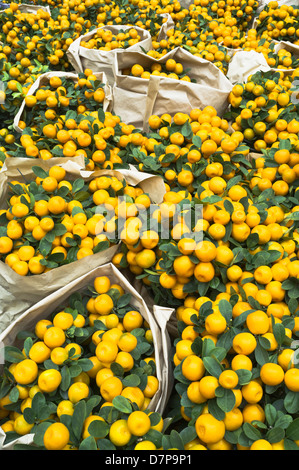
(82, 58)
(245, 63)
(156, 316)
(45, 77)
(18, 293)
(159, 95)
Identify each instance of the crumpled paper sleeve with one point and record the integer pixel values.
(44, 79)
(264, 3)
(159, 95)
(25, 8)
(245, 63)
(290, 47)
(166, 26)
(17, 292)
(155, 315)
(82, 58)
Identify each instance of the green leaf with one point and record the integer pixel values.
(40, 172)
(98, 429)
(275, 435)
(244, 376)
(78, 185)
(261, 355)
(291, 402)
(226, 401)
(66, 378)
(78, 418)
(215, 409)
(155, 418)
(89, 443)
(270, 414)
(154, 436)
(13, 354)
(292, 431)
(176, 440)
(225, 309)
(101, 246)
(131, 380)
(279, 333)
(251, 432)
(188, 434)
(40, 430)
(122, 404)
(212, 366)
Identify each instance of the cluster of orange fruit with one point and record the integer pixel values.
(278, 22)
(171, 69)
(264, 109)
(105, 40)
(55, 220)
(232, 270)
(221, 248)
(109, 344)
(33, 43)
(66, 118)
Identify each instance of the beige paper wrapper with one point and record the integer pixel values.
(253, 156)
(82, 58)
(45, 77)
(25, 8)
(263, 3)
(288, 46)
(17, 292)
(156, 316)
(169, 24)
(159, 95)
(245, 63)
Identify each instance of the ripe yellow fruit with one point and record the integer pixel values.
(56, 436)
(209, 429)
(139, 423)
(25, 372)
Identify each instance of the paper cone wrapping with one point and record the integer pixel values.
(169, 24)
(45, 77)
(264, 3)
(159, 95)
(25, 8)
(288, 46)
(82, 58)
(245, 63)
(18, 292)
(156, 316)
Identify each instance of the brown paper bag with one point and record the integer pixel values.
(290, 47)
(245, 63)
(45, 77)
(82, 58)
(166, 26)
(159, 95)
(25, 8)
(253, 156)
(156, 316)
(18, 293)
(264, 3)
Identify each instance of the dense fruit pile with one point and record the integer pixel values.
(93, 361)
(220, 248)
